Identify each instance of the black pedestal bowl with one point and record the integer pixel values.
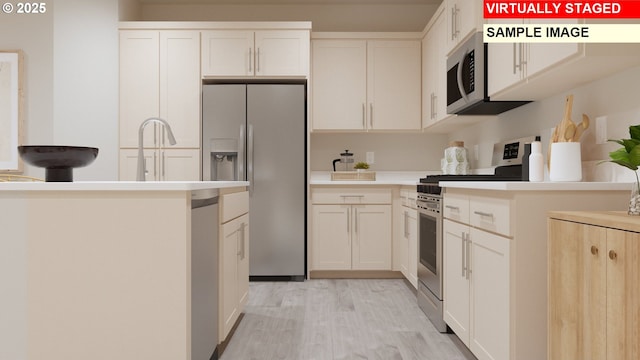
(58, 161)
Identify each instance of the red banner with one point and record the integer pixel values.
(589, 9)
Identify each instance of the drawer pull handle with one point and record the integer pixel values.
(346, 196)
(594, 250)
(612, 255)
(450, 207)
(483, 214)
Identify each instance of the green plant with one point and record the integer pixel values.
(361, 165)
(629, 154)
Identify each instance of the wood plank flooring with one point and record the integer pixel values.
(338, 320)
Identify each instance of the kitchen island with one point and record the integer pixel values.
(495, 258)
(100, 270)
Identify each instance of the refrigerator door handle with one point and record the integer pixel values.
(241, 140)
(250, 159)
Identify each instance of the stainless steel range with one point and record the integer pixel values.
(507, 157)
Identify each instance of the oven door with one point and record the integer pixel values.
(430, 251)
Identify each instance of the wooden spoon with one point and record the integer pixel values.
(581, 127)
(569, 132)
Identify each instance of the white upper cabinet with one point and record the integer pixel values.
(434, 69)
(464, 17)
(227, 52)
(160, 77)
(364, 85)
(139, 84)
(534, 71)
(339, 84)
(255, 53)
(394, 84)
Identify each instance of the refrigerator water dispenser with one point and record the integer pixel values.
(224, 159)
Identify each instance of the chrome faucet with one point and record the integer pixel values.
(172, 140)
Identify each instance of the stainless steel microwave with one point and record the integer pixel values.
(467, 81)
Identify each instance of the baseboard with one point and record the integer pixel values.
(355, 274)
(223, 345)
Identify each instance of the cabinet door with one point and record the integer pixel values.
(489, 264)
(404, 244)
(412, 229)
(577, 294)
(504, 61)
(394, 85)
(339, 86)
(179, 164)
(463, 16)
(282, 53)
(227, 53)
(129, 164)
(180, 85)
(623, 294)
(544, 55)
(243, 262)
(331, 237)
(371, 234)
(230, 251)
(139, 84)
(435, 64)
(456, 279)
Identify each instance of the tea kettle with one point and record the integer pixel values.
(346, 158)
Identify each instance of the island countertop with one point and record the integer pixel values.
(120, 185)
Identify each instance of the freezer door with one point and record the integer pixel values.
(276, 118)
(224, 114)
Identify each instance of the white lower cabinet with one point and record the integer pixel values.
(407, 232)
(351, 237)
(161, 164)
(476, 289)
(351, 229)
(234, 260)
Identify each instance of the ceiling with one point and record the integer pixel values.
(326, 15)
(291, 2)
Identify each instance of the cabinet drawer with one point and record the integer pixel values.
(491, 214)
(456, 207)
(233, 205)
(350, 196)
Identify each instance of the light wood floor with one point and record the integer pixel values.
(336, 320)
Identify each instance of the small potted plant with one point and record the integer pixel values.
(360, 166)
(629, 156)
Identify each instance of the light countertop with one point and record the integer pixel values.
(536, 186)
(406, 178)
(120, 185)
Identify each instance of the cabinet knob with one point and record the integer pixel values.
(594, 250)
(612, 255)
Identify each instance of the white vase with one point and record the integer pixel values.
(565, 162)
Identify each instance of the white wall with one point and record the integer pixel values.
(615, 97)
(393, 152)
(85, 112)
(34, 36)
(325, 16)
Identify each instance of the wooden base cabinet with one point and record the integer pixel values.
(594, 297)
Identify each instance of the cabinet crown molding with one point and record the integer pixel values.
(215, 25)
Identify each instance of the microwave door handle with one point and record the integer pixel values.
(459, 77)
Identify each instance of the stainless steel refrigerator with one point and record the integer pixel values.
(257, 132)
